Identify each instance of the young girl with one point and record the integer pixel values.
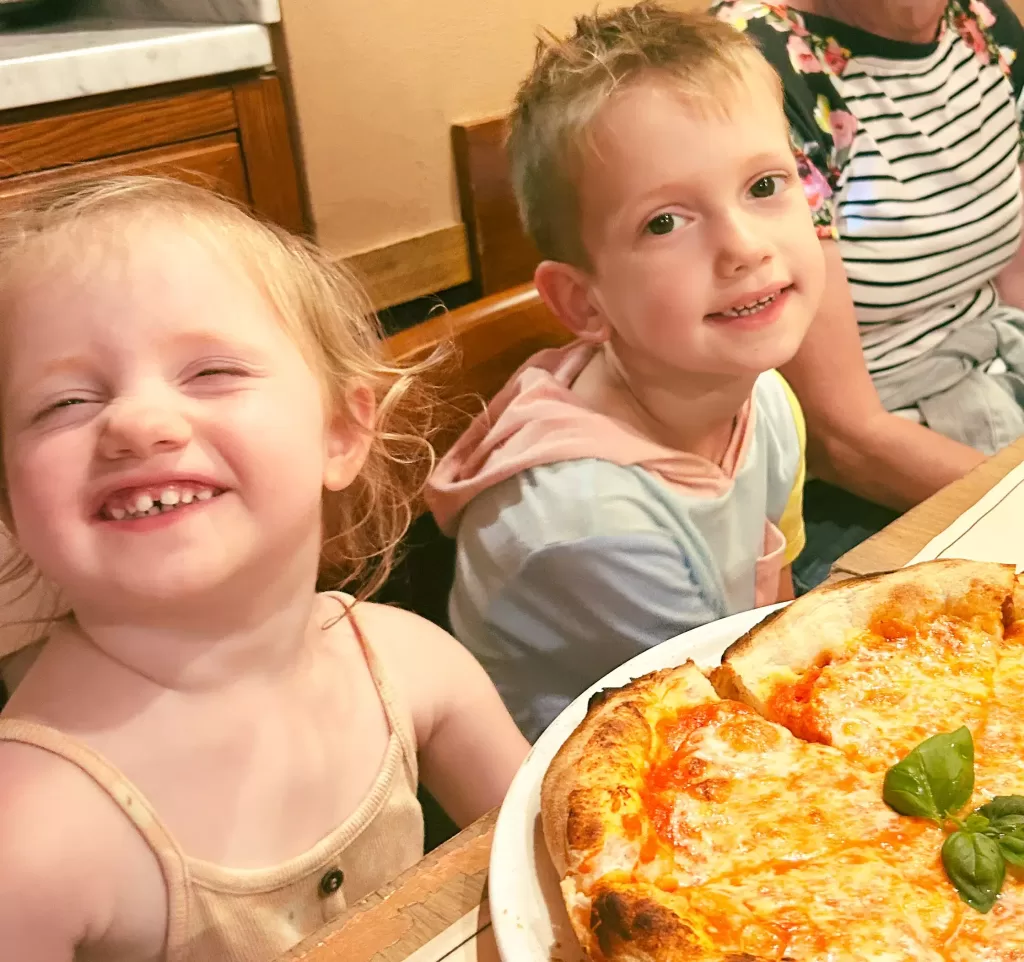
(209, 760)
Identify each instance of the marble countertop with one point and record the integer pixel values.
(92, 55)
(196, 11)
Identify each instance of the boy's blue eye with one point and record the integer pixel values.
(665, 224)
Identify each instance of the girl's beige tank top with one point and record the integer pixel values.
(216, 914)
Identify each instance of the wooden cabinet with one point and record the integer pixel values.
(231, 136)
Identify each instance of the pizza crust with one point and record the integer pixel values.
(607, 753)
(811, 630)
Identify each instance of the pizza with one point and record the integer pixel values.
(742, 816)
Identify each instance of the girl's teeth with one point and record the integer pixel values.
(168, 500)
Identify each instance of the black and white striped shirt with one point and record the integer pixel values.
(919, 145)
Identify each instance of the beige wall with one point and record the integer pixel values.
(377, 85)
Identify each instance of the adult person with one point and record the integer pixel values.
(905, 120)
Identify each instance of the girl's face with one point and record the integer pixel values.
(163, 436)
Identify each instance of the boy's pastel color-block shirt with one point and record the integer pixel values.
(580, 543)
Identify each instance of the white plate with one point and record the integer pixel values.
(530, 923)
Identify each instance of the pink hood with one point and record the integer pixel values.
(536, 419)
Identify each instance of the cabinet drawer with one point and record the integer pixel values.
(213, 162)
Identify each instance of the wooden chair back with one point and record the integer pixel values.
(490, 338)
(500, 252)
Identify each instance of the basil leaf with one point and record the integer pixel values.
(1012, 848)
(936, 779)
(975, 866)
(1002, 806)
(978, 823)
(1004, 825)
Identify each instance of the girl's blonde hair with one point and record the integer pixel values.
(322, 307)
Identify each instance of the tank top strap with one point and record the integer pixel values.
(396, 711)
(132, 803)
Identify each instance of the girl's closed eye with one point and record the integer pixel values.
(61, 405)
(217, 374)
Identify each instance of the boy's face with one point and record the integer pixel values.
(703, 253)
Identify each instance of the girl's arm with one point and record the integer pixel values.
(51, 870)
(469, 748)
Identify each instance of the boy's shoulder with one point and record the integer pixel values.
(566, 501)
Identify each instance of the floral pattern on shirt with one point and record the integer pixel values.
(822, 129)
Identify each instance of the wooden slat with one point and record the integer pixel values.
(414, 267)
(501, 253)
(212, 162)
(71, 138)
(391, 924)
(900, 541)
(269, 159)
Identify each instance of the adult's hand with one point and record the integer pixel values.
(852, 441)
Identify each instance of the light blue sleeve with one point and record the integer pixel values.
(578, 609)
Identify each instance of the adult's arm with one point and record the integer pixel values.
(1010, 281)
(852, 441)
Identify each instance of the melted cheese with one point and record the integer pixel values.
(892, 689)
(999, 751)
(997, 936)
(838, 908)
(741, 791)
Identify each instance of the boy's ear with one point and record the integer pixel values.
(349, 435)
(568, 293)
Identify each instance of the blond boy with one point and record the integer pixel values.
(647, 478)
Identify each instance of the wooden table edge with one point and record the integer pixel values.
(900, 541)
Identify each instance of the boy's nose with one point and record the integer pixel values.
(742, 248)
(139, 429)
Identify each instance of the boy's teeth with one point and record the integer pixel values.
(187, 497)
(117, 513)
(143, 503)
(204, 494)
(169, 497)
(750, 308)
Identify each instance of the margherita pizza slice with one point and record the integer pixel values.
(666, 787)
(885, 900)
(875, 665)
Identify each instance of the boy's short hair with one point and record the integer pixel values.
(572, 78)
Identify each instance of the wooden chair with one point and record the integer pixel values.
(490, 339)
(500, 252)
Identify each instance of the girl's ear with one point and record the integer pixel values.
(348, 438)
(569, 295)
